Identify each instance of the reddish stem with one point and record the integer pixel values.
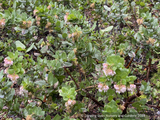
(132, 58)
(129, 99)
(149, 67)
(71, 77)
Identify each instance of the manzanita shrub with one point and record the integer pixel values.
(78, 59)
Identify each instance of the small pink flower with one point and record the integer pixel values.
(35, 11)
(65, 18)
(131, 88)
(13, 77)
(2, 22)
(7, 62)
(123, 88)
(117, 88)
(22, 91)
(120, 88)
(107, 71)
(70, 103)
(6, 71)
(105, 65)
(100, 90)
(100, 85)
(105, 88)
(66, 104)
(73, 102)
(49, 7)
(29, 101)
(118, 91)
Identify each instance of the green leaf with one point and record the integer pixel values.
(121, 74)
(115, 60)
(16, 105)
(131, 110)
(38, 111)
(30, 48)
(44, 49)
(51, 79)
(67, 64)
(110, 92)
(57, 117)
(2, 103)
(20, 46)
(68, 93)
(133, 3)
(1, 75)
(110, 98)
(94, 26)
(132, 78)
(90, 47)
(11, 55)
(48, 117)
(10, 95)
(7, 85)
(107, 8)
(111, 108)
(138, 37)
(64, 35)
(142, 4)
(64, 56)
(108, 29)
(71, 55)
(18, 119)
(102, 79)
(41, 83)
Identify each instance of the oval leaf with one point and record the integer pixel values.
(108, 29)
(20, 45)
(30, 48)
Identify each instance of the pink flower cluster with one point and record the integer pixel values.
(102, 87)
(70, 103)
(65, 18)
(107, 71)
(2, 23)
(120, 88)
(6, 71)
(131, 88)
(23, 91)
(13, 77)
(7, 62)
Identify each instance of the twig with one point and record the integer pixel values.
(158, 103)
(89, 87)
(132, 58)
(148, 71)
(92, 98)
(155, 106)
(39, 99)
(128, 101)
(71, 77)
(80, 78)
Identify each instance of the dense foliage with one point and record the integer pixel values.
(77, 59)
